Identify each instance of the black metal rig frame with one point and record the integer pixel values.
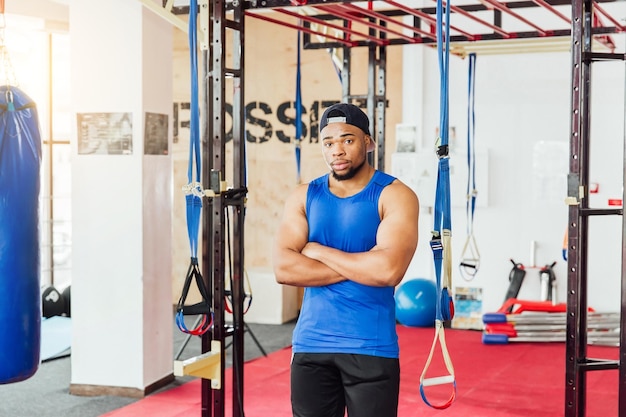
(577, 361)
(330, 24)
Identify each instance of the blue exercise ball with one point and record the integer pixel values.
(416, 302)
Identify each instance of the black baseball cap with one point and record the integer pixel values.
(346, 113)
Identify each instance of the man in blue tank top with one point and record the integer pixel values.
(348, 238)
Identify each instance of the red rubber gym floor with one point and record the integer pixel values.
(517, 379)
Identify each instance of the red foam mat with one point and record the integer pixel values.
(514, 380)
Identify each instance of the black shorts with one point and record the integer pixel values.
(325, 385)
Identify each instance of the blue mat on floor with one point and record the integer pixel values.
(56, 337)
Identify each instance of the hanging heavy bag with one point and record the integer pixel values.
(20, 309)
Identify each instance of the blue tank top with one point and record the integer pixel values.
(346, 317)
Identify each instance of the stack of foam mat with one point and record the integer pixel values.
(530, 324)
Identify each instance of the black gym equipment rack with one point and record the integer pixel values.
(587, 24)
(578, 364)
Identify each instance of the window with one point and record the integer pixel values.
(38, 63)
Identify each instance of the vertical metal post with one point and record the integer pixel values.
(214, 226)
(207, 219)
(238, 204)
(377, 101)
(622, 337)
(213, 175)
(345, 75)
(371, 96)
(381, 102)
(578, 180)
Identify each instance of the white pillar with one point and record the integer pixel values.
(121, 201)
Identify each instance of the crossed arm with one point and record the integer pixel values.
(299, 262)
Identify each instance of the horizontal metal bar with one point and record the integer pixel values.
(598, 365)
(232, 24)
(416, 14)
(503, 8)
(383, 18)
(357, 96)
(331, 10)
(601, 212)
(427, 17)
(549, 7)
(232, 73)
(270, 4)
(599, 56)
(339, 41)
(344, 12)
(312, 19)
(490, 25)
(604, 13)
(514, 5)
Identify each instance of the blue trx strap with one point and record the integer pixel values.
(470, 256)
(194, 194)
(440, 242)
(442, 218)
(298, 115)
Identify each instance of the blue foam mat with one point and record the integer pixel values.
(56, 337)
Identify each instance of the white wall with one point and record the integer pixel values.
(121, 206)
(522, 106)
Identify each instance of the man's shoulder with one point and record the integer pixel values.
(381, 175)
(319, 180)
(397, 188)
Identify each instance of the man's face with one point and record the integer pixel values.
(345, 149)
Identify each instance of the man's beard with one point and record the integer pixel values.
(350, 174)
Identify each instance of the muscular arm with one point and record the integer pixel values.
(291, 267)
(386, 263)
